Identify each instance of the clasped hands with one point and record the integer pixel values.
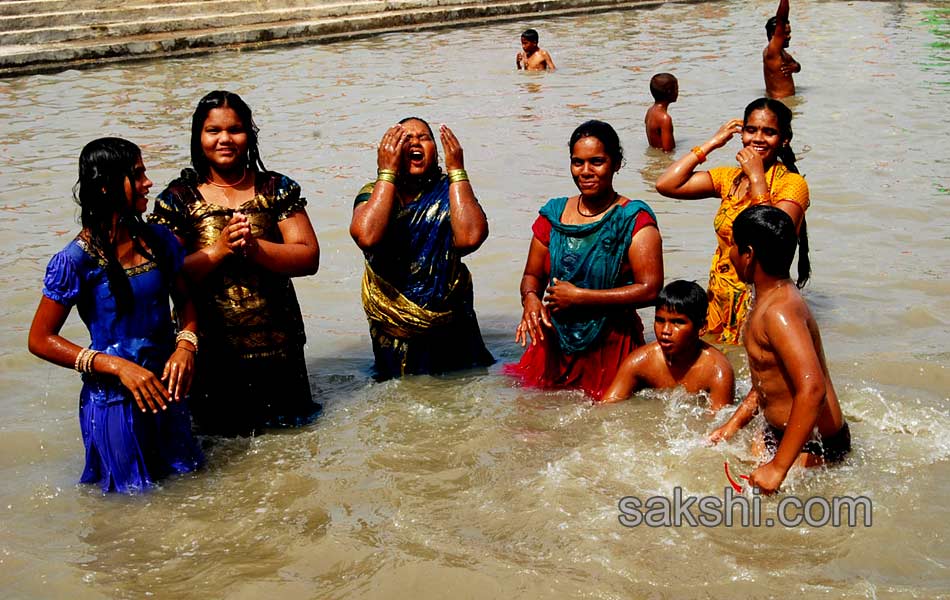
(560, 296)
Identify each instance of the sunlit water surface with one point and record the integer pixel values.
(469, 486)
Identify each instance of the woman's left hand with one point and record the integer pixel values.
(561, 295)
(178, 373)
(452, 149)
(751, 163)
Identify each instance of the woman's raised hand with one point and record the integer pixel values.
(389, 154)
(725, 133)
(452, 149)
(751, 163)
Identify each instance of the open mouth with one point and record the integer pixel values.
(416, 156)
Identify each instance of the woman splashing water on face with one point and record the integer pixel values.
(414, 225)
(766, 175)
(119, 273)
(594, 259)
(247, 234)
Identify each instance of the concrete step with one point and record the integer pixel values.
(393, 15)
(120, 23)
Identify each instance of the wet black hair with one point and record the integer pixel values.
(687, 298)
(531, 35)
(662, 86)
(770, 26)
(223, 99)
(770, 232)
(105, 164)
(603, 132)
(785, 154)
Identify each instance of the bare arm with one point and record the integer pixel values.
(534, 316)
(469, 224)
(682, 181)
(297, 255)
(794, 348)
(371, 218)
(722, 388)
(739, 419)
(46, 343)
(180, 367)
(548, 61)
(779, 37)
(628, 377)
(667, 143)
(646, 260)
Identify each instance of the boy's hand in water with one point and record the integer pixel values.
(722, 434)
(767, 478)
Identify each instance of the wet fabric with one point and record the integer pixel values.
(417, 293)
(832, 448)
(585, 350)
(126, 449)
(729, 298)
(249, 318)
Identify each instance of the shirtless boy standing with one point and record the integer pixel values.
(659, 123)
(790, 380)
(531, 57)
(678, 357)
(777, 64)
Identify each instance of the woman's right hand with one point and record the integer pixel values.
(389, 154)
(146, 388)
(725, 133)
(534, 318)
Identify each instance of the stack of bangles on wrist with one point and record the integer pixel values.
(699, 154)
(187, 336)
(387, 175)
(457, 175)
(84, 360)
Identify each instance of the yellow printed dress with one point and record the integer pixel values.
(729, 298)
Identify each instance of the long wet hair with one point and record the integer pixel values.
(105, 165)
(603, 132)
(786, 155)
(223, 99)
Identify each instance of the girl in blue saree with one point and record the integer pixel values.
(119, 272)
(414, 224)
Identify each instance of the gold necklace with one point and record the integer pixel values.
(228, 185)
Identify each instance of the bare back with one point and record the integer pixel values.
(786, 355)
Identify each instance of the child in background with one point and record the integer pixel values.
(659, 124)
(531, 57)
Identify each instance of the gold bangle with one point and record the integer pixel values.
(388, 177)
(762, 198)
(187, 336)
(457, 175)
(525, 295)
(699, 154)
(85, 365)
(80, 356)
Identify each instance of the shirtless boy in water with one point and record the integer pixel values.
(790, 380)
(777, 64)
(659, 123)
(531, 57)
(678, 357)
